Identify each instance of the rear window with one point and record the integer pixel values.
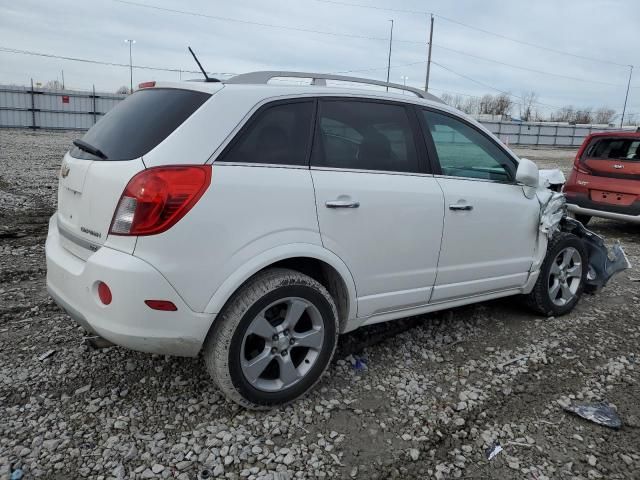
(614, 149)
(139, 123)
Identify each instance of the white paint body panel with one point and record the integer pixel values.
(390, 243)
(246, 211)
(490, 247)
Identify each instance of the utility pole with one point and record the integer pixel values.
(63, 79)
(130, 42)
(426, 83)
(389, 59)
(624, 109)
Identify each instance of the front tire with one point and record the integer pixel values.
(562, 276)
(273, 340)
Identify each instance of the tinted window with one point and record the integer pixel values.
(463, 151)
(140, 122)
(615, 148)
(365, 136)
(276, 135)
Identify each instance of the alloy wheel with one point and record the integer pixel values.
(565, 276)
(281, 344)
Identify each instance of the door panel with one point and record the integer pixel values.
(489, 247)
(390, 241)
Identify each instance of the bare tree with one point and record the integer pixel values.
(502, 104)
(603, 115)
(53, 85)
(526, 107)
(584, 116)
(122, 90)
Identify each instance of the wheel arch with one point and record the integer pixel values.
(313, 260)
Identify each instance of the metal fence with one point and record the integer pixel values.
(546, 133)
(29, 107)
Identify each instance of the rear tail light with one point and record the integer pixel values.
(581, 168)
(147, 85)
(157, 198)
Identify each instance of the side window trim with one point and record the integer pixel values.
(255, 116)
(427, 133)
(424, 160)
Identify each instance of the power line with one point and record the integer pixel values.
(485, 85)
(98, 62)
(488, 32)
(520, 67)
(259, 24)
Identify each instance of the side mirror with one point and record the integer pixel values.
(527, 173)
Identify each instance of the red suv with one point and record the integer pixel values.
(605, 179)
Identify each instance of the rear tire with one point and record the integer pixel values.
(273, 340)
(562, 276)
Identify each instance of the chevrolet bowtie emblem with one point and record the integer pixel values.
(64, 170)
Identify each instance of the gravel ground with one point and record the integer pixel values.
(434, 392)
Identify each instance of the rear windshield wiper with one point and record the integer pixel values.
(87, 147)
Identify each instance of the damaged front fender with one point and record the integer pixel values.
(603, 263)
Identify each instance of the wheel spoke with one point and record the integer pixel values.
(566, 257)
(553, 291)
(253, 368)
(288, 372)
(312, 339)
(566, 292)
(575, 271)
(555, 268)
(295, 309)
(261, 327)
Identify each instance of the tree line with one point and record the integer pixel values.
(526, 110)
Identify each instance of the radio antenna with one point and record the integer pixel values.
(207, 78)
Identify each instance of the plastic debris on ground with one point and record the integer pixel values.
(96, 342)
(360, 364)
(46, 355)
(597, 413)
(17, 474)
(493, 450)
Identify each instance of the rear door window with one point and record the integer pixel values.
(362, 135)
(140, 122)
(276, 135)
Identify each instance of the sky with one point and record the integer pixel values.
(333, 36)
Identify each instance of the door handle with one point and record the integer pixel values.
(460, 206)
(342, 204)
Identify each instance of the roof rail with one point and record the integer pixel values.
(321, 79)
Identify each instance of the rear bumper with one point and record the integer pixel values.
(583, 205)
(127, 321)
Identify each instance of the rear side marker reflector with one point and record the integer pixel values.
(157, 198)
(104, 293)
(164, 305)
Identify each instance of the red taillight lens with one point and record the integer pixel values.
(104, 293)
(147, 85)
(155, 199)
(581, 168)
(164, 305)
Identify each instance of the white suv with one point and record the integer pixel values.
(255, 223)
